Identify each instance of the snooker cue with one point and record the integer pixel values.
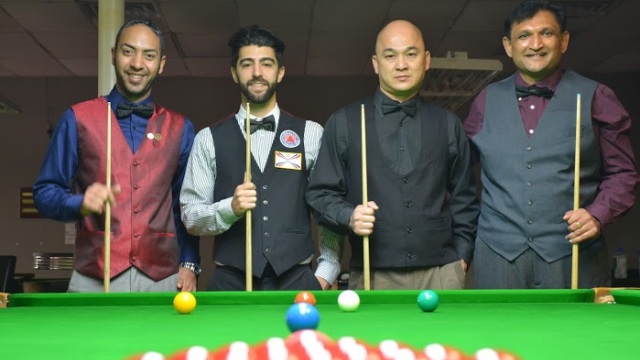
(576, 196)
(247, 178)
(107, 210)
(365, 239)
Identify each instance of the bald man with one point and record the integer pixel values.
(422, 211)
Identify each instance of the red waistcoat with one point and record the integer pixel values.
(142, 224)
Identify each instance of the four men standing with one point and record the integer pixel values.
(423, 210)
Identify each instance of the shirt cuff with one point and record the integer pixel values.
(328, 271)
(226, 212)
(190, 249)
(73, 207)
(344, 218)
(600, 213)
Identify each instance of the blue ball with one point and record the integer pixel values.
(302, 316)
(428, 300)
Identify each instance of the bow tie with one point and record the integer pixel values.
(389, 106)
(545, 92)
(144, 110)
(268, 123)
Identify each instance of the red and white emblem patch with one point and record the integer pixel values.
(289, 139)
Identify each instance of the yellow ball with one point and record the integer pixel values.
(184, 302)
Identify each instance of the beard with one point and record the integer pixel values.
(259, 98)
(135, 92)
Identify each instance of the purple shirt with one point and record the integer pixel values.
(611, 125)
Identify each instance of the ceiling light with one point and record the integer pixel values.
(7, 107)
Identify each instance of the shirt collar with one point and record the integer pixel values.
(241, 115)
(550, 81)
(379, 95)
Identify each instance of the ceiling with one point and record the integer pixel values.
(58, 38)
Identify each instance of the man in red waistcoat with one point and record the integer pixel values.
(150, 248)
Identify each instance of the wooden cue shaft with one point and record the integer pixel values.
(247, 178)
(365, 200)
(107, 210)
(576, 196)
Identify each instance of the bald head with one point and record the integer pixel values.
(401, 59)
(398, 28)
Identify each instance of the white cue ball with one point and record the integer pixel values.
(349, 300)
(152, 355)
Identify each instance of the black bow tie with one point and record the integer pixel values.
(144, 110)
(545, 92)
(389, 106)
(268, 123)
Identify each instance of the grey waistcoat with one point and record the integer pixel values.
(528, 182)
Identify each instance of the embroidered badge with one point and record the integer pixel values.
(288, 160)
(289, 139)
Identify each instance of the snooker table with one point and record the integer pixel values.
(532, 324)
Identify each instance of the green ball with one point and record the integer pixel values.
(428, 300)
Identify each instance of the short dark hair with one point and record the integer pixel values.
(528, 9)
(255, 35)
(148, 23)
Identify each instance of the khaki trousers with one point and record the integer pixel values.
(448, 276)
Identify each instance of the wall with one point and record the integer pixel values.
(204, 100)
(625, 233)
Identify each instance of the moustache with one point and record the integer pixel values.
(260, 82)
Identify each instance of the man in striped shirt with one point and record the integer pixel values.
(215, 196)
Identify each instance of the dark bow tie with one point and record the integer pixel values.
(268, 123)
(545, 92)
(389, 106)
(144, 110)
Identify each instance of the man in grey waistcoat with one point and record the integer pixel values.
(523, 131)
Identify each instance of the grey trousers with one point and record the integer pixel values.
(448, 276)
(132, 280)
(530, 271)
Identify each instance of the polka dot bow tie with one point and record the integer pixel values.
(545, 92)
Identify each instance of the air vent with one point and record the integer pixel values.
(452, 81)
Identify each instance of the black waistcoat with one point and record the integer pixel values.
(281, 229)
(413, 225)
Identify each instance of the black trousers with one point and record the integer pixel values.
(299, 277)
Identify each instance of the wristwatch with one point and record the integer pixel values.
(195, 268)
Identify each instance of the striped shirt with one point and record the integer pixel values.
(203, 217)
